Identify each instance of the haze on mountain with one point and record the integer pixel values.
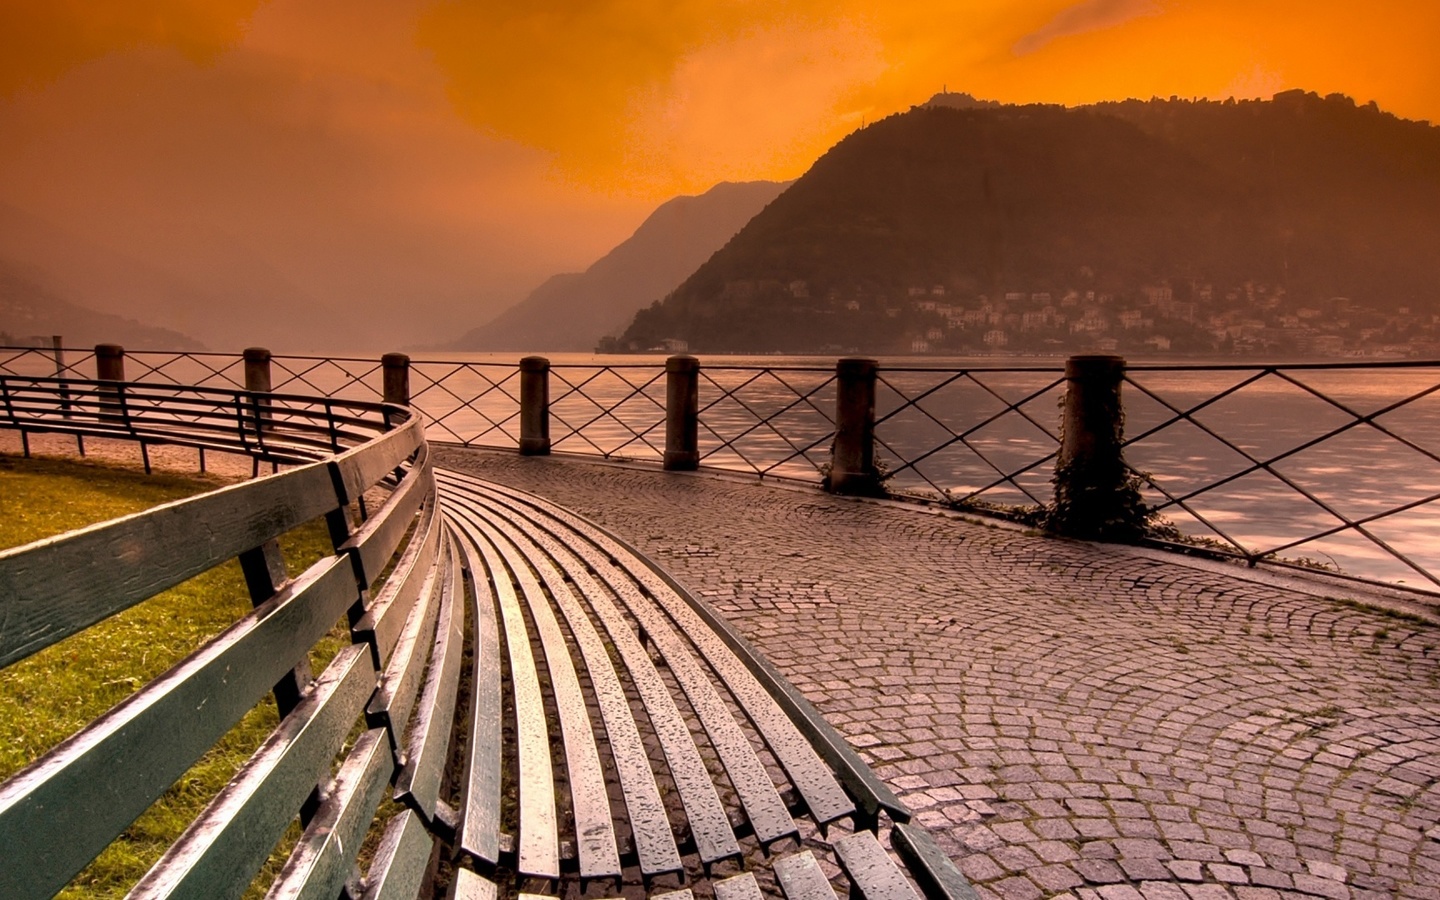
(1316, 196)
(31, 313)
(573, 311)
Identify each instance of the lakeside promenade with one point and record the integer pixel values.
(1068, 718)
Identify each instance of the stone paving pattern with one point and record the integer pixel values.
(1070, 719)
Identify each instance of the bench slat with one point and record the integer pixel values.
(802, 879)
(374, 543)
(356, 470)
(418, 784)
(395, 697)
(325, 855)
(225, 846)
(469, 886)
(654, 842)
(53, 588)
(479, 832)
(939, 878)
(386, 617)
(710, 827)
(539, 850)
(738, 887)
(66, 807)
(871, 869)
(796, 711)
(594, 830)
(767, 812)
(401, 860)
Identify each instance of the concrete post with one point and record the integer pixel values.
(682, 413)
(396, 381)
(852, 458)
(57, 350)
(110, 366)
(109, 362)
(1095, 495)
(534, 406)
(257, 369)
(257, 380)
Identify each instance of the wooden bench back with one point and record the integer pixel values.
(58, 813)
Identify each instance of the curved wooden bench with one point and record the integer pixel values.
(649, 736)
(610, 728)
(380, 712)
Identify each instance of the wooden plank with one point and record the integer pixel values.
(356, 471)
(594, 830)
(709, 825)
(55, 587)
(937, 875)
(63, 809)
(871, 869)
(738, 887)
(220, 852)
(802, 879)
(768, 815)
(655, 846)
(388, 613)
(401, 860)
(479, 831)
(539, 850)
(872, 793)
(373, 544)
(418, 785)
(466, 885)
(325, 855)
(395, 697)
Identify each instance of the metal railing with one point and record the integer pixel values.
(1332, 465)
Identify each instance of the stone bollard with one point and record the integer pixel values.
(534, 406)
(395, 387)
(682, 413)
(257, 381)
(110, 366)
(109, 362)
(852, 458)
(1096, 496)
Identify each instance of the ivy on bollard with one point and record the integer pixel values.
(1097, 495)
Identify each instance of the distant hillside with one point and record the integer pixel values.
(29, 310)
(571, 312)
(943, 227)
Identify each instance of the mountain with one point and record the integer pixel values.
(571, 312)
(959, 225)
(30, 311)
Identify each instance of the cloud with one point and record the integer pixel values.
(1091, 15)
(40, 41)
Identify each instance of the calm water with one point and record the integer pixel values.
(939, 432)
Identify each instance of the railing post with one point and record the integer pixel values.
(257, 381)
(57, 350)
(682, 413)
(534, 406)
(852, 457)
(1096, 496)
(110, 366)
(109, 362)
(396, 386)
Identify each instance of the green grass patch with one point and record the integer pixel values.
(52, 694)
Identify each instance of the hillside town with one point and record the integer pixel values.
(1247, 319)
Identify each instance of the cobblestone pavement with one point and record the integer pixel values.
(1070, 719)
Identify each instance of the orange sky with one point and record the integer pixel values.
(283, 164)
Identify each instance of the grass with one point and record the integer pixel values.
(50, 695)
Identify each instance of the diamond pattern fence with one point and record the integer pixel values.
(980, 437)
(1330, 465)
(1335, 466)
